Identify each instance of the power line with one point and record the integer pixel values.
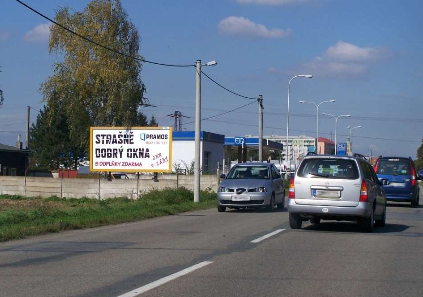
(226, 89)
(304, 131)
(37, 110)
(232, 110)
(99, 44)
(366, 118)
(126, 55)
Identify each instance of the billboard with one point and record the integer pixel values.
(134, 149)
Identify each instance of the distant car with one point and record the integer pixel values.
(336, 188)
(399, 179)
(251, 185)
(119, 175)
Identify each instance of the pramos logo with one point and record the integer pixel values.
(145, 136)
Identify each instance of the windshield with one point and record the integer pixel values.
(394, 167)
(328, 168)
(249, 172)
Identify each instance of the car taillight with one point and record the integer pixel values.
(363, 191)
(291, 189)
(413, 175)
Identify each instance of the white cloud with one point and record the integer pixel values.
(39, 34)
(342, 60)
(272, 2)
(344, 51)
(240, 26)
(325, 67)
(4, 35)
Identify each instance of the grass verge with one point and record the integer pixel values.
(21, 217)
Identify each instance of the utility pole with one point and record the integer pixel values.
(27, 126)
(197, 152)
(177, 115)
(197, 133)
(260, 102)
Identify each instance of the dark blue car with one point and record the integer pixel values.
(399, 179)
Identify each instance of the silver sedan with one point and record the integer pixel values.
(251, 185)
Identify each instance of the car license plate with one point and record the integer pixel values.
(240, 198)
(326, 194)
(396, 185)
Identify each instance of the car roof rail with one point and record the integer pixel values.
(357, 155)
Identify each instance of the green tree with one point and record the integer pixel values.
(419, 161)
(1, 96)
(51, 146)
(94, 86)
(153, 122)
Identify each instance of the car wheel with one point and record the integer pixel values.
(315, 221)
(381, 222)
(271, 205)
(295, 221)
(414, 203)
(221, 208)
(368, 223)
(281, 205)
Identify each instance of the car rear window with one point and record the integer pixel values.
(328, 168)
(394, 167)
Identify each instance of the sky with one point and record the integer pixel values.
(366, 55)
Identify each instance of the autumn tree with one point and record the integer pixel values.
(94, 86)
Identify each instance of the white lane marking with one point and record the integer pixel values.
(164, 280)
(267, 236)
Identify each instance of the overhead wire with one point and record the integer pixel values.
(220, 114)
(207, 76)
(124, 54)
(226, 89)
(99, 44)
(305, 115)
(305, 131)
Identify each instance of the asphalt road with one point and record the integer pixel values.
(334, 259)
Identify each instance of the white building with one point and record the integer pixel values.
(298, 147)
(183, 151)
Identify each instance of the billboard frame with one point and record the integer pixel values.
(131, 170)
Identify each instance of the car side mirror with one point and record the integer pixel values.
(222, 176)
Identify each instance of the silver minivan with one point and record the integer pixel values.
(343, 188)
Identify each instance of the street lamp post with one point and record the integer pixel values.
(287, 118)
(349, 138)
(351, 128)
(197, 167)
(336, 124)
(317, 107)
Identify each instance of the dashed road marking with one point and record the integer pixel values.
(164, 280)
(267, 236)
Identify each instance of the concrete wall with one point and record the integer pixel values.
(98, 188)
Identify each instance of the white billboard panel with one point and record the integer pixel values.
(135, 149)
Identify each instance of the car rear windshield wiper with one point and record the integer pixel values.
(319, 174)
